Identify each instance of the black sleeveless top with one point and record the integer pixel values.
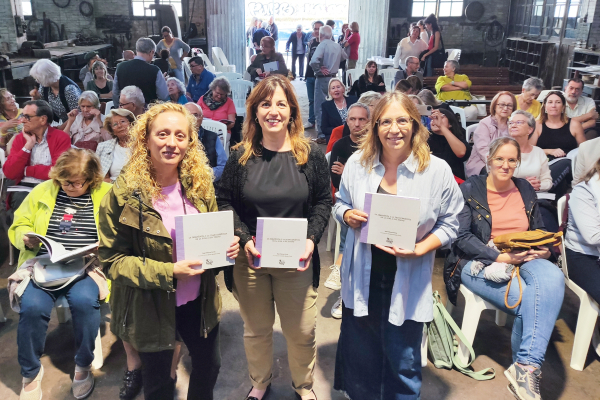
(560, 138)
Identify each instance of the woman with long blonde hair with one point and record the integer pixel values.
(167, 175)
(276, 172)
(386, 291)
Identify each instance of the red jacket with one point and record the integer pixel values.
(14, 167)
(336, 134)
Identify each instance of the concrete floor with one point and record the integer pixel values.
(491, 344)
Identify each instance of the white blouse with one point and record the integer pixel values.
(535, 164)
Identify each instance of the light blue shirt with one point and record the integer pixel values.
(221, 160)
(583, 229)
(441, 201)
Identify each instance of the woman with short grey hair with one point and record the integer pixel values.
(176, 90)
(55, 88)
(526, 101)
(216, 105)
(85, 126)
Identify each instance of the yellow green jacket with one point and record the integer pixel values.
(455, 94)
(34, 215)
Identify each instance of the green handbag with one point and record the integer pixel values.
(443, 346)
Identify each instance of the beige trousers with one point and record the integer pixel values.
(258, 291)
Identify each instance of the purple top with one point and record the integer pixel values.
(169, 207)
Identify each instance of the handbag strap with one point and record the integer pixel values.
(71, 279)
(514, 273)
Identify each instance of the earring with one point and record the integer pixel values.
(291, 121)
(256, 120)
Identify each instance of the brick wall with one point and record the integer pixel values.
(8, 34)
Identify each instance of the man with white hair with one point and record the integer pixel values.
(325, 63)
(213, 148)
(132, 99)
(139, 72)
(298, 44)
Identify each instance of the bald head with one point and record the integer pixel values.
(128, 55)
(196, 111)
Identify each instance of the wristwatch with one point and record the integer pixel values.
(452, 83)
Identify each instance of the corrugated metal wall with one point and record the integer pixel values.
(373, 19)
(226, 29)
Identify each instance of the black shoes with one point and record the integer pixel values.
(132, 384)
(298, 397)
(264, 397)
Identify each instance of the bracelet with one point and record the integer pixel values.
(26, 150)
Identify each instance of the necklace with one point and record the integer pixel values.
(80, 207)
(342, 106)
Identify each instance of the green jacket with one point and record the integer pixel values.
(140, 265)
(34, 214)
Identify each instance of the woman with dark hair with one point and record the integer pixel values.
(100, 84)
(178, 50)
(276, 172)
(369, 81)
(557, 135)
(435, 56)
(447, 141)
(269, 54)
(163, 61)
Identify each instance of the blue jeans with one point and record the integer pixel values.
(543, 291)
(343, 233)
(36, 306)
(179, 74)
(310, 90)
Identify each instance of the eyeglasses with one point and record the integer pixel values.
(499, 162)
(517, 123)
(74, 185)
(504, 105)
(27, 117)
(402, 122)
(195, 65)
(122, 105)
(9, 97)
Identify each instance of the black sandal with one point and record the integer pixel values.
(264, 396)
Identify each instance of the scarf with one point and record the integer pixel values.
(211, 103)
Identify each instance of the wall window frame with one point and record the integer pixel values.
(545, 19)
(441, 8)
(137, 7)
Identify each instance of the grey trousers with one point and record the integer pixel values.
(321, 89)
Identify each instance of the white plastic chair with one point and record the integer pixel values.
(588, 310)
(109, 106)
(239, 91)
(231, 76)
(388, 75)
(461, 113)
(474, 305)
(220, 61)
(220, 129)
(64, 315)
(207, 64)
(470, 131)
(352, 76)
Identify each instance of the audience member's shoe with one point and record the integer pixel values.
(35, 394)
(306, 126)
(336, 310)
(83, 388)
(314, 396)
(132, 384)
(333, 280)
(264, 396)
(524, 384)
(320, 140)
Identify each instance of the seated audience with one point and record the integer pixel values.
(128, 55)
(453, 86)
(86, 74)
(163, 61)
(178, 49)
(490, 128)
(114, 153)
(100, 84)
(582, 241)
(416, 83)
(447, 141)
(370, 99)
(176, 90)
(589, 152)
(370, 81)
(10, 124)
(132, 99)
(404, 86)
(85, 127)
(212, 145)
(581, 108)
(216, 105)
(496, 204)
(56, 89)
(335, 109)
(412, 69)
(526, 101)
(268, 55)
(35, 150)
(429, 99)
(557, 135)
(424, 118)
(139, 72)
(411, 46)
(200, 79)
(64, 210)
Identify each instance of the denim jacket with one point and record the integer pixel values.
(440, 204)
(476, 228)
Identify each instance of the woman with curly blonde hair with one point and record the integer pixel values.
(276, 172)
(386, 291)
(167, 175)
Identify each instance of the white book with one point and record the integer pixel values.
(271, 66)
(546, 195)
(281, 242)
(205, 237)
(392, 221)
(57, 251)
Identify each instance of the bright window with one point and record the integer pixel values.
(139, 5)
(444, 8)
(26, 4)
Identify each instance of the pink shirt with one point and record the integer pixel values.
(220, 113)
(169, 207)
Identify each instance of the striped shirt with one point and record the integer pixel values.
(83, 230)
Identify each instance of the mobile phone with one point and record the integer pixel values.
(226, 121)
(424, 110)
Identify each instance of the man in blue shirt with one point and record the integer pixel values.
(200, 79)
